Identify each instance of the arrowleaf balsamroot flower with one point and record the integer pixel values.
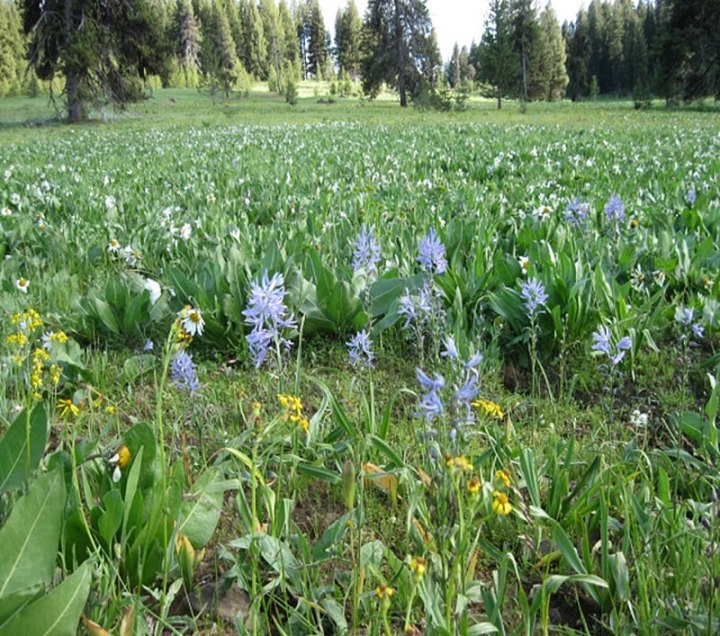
(268, 315)
(432, 254)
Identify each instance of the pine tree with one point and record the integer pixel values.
(289, 48)
(8, 70)
(397, 47)
(452, 73)
(525, 36)
(103, 49)
(348, 29)
(579, 58)
(316, 40)
(220, 60)
(549, 79)
(467, 71)
(254, 46)
(497, 59)
(188, 43)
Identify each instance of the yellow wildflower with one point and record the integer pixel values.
(121, 459)
(384, 592)
(417, 565)
(502, 476)
(491, 409)
(18, 338)
(473, 486)
(55, 373)
(110, 409)
(501, 504)
(68, 407)
(294, 410)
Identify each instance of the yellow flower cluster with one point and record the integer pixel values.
(27, 321)
(459, 462)
(417, 566)
(501, 502)
(491, 409)
(294, 410)
(40, 357)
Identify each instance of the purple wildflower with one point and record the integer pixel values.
(533, 295)
(183, 372)
(148, 346)
(360, 349)
(603, 344)
(685, 316)
(268, 316)
(576, 212)
(615, 209)
(432, 254)
(366, 254)
(691, 196)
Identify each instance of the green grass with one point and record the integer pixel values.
(266, 186)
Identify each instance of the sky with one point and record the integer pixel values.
(454, 20)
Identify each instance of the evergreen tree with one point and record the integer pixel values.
(452, 73)
(467, 71)
(254, 45)
(691, 49)
(220, 60)
(103, 49)
(525, 36)
(316, 40)
(549, 76)
(289, 49)
(274, 41)
(578, 60)
(497, 59)
(397, 47)
(10, 68)
(348, 29)
(188, 43)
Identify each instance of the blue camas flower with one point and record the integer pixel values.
(268, 316)
(432, 254)
(360, 350)
(615, 209)
(533, 295)
(603, 344)
(576, 212)
(685, 316)
(183, 372)
(366, 252)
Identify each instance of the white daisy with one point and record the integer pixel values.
(524, 264)
(186, 232)
(154, 289)
(192, 321)
(22, 285)
(113, 246)
(6, 212)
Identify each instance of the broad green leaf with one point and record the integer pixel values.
(567, 549)
(33, 532)
(135, 366)
(57, 613)
(13, 447)
(200, 509)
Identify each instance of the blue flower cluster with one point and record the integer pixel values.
(432, 254)
(576, 212)
(366, 252)
(360, 350)
(615, 209)
(533, 295)
(183, 372)
(686, 317)
(268, 316)
(604, 344)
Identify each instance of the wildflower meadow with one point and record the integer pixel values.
(364, 374)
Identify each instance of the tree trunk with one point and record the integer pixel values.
(400, 56)
(74, 103)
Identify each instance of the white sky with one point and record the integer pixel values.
(454, 20)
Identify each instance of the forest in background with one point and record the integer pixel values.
(115, 50)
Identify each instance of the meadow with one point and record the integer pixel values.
(341, 368)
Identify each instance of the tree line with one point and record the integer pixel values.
(110, 49)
